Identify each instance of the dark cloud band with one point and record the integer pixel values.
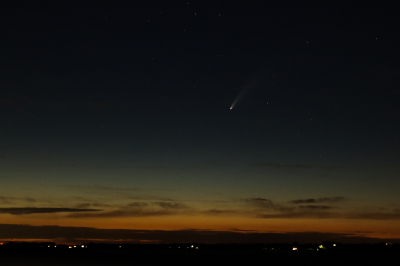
(22, 211)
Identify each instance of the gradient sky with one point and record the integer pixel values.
(117, 116)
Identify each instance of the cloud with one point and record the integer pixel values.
(171, 205)
(123, 213)
(300, 214)
(28, 199)
(7, 200)
(10, 200)
(139, 209)
(138, 204)
(315, 207)
(29, 210)
(324, 212)
(319, 200)
(304, 208)
(280, 165)
(162, 208)
(395, 215)
(87, 205)
(219, 212)
(267, 204)
(267, 209)
(69, 235)
(330, 215)
(107, 188)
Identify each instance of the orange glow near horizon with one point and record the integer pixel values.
(371, 228)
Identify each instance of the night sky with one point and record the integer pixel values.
(117, 115)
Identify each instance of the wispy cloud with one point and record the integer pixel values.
(315, 207)
(110, 188)
(300, 214)
(7, 200)
(318, 200)
(138, 204)
(304, 208)
(267, 204)
(29, 210)
(394, 215)
(10, 200)
(171, 205)
(28, 199)
(220, 212)
(88, 205)
(317, 211)
(100, 187)
(123, 213)
(321, 213)
(139, 209)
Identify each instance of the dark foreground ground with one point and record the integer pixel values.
(197, 257)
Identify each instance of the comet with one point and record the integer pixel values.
(255, 82)
(237, 99)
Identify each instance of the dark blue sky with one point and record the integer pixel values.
(135, 98)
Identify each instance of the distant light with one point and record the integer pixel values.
(294, 248)
(70, 247)
(197, 247)
(119, 246)
(321, 246)
(55, 246)
(48, 246)
(1, 244)
(82, 246)
(191, 246)
(334, 245)
(74, 246)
